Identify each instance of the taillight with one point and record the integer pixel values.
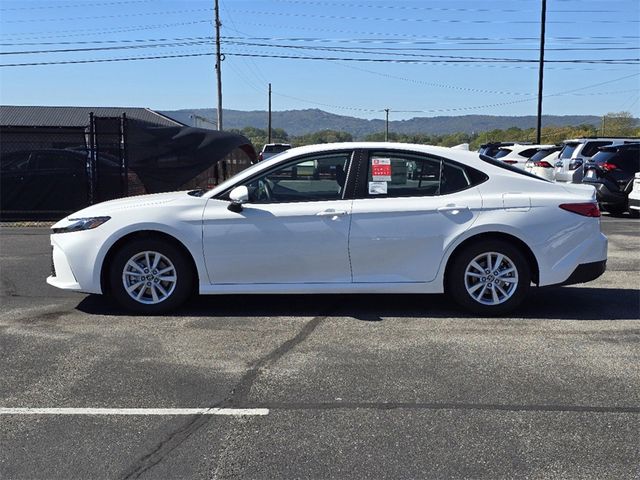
(543, 164)
(586, 209)
(574, 164)
(607, 167)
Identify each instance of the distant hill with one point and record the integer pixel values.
(299, 122)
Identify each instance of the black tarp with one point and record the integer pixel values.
(166, 157)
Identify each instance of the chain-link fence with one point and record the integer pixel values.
(48, 173)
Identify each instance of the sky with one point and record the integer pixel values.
(349, 57)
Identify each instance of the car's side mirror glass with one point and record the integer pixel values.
(238, 196)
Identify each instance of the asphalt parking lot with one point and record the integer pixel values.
(332, 386)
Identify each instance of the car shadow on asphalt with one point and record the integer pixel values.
(566, 303)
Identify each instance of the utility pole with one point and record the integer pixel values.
(543, 21)
(218, 64)
(269, 124)
(386, 125)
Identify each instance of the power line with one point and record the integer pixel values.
(432, 9)
(58, 5)
(483, 63)
(105, 31)
(120, 15)
(328, 40)
(422, 20)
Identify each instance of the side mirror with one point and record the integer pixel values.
(238, 196)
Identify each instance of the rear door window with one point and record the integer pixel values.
(400, 174)
(396, 174)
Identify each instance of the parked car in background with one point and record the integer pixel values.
(359, 217)
(491, 148)
(634, 197)
(612, 171)
(542, 162)
(46, 181)
(518, 154)
(570, 165)
(271, 149)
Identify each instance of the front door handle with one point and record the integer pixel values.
(452, 208)
(331, 213)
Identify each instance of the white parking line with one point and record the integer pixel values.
(134, 411)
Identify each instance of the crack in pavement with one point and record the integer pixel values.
(238, 394)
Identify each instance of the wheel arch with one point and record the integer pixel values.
(522, 246)
(104, 270)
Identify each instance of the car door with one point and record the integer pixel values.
(409, 211)
(293, 230)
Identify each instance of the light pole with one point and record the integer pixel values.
(218, 65)
(386, 125)
(543, 21)
(269, 123)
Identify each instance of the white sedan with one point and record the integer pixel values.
(340, 218)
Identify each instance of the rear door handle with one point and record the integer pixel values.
(331, 213)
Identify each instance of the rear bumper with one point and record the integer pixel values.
(634, 203)
(606, 196)
(586, 272)
(569, 176)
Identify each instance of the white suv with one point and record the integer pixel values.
(577, 151)
(518, 154)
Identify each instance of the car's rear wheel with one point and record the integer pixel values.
(489, 277)
(150, 276)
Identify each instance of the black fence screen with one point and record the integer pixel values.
(47, 173)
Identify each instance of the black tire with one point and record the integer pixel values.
(457, 278)
(171, 258)
(633, 213)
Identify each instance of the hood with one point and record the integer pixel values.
(106, 208)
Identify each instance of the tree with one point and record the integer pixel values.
(619, 124)
(323, 136)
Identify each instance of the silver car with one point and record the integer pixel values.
(575, 152)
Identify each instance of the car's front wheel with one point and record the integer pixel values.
(150, 275)
(489, 277)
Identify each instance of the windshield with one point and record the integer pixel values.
(603, 156)
(568, 150)
(540, 154)
(503, 152)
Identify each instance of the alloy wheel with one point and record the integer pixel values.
(149, 277)
(491, 278)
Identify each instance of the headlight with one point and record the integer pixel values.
(81, 224)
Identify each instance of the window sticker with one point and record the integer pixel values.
(377, 188)
(381, 169)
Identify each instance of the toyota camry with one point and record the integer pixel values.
(340, 218)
